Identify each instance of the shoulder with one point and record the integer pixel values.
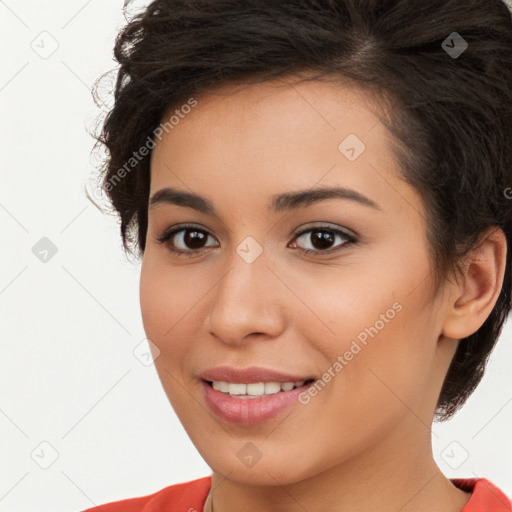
(485, 496)
(187, 496)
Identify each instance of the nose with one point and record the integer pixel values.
(248, 300)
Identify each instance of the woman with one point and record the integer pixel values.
(319, 192)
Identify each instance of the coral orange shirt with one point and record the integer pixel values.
(191, 496)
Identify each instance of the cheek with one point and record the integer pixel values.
(167, 308)
(166, 298)
(173, 299)
(375, 335)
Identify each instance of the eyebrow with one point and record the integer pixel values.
(279, 203)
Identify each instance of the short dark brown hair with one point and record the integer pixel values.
(444, 65)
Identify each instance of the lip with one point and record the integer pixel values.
(249, 375)
(250, 411)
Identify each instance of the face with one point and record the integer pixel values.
(354, 313)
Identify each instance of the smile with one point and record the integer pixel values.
(254, 389)
(237, 406)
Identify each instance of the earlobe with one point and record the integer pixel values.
(474, 297)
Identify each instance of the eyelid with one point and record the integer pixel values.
(295, 233)
(180, 227)
(327, 226)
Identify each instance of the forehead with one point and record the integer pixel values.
(248, 139)
(294, 110)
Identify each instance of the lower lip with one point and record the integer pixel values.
(249, 411)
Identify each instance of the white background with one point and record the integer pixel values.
(68, 375)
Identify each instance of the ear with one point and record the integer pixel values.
(474, 297)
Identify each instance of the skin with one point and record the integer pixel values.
(364, 442)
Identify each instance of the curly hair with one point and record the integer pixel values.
(444, 66)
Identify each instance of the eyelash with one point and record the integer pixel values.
(167, 235)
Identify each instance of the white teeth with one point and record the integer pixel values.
(237, 389)
(254, 389)
(221, 386)
(272, 387)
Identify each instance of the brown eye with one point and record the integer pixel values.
(185, 240)
(321, 239)
(192, 239)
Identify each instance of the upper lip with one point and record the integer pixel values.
(249, 375)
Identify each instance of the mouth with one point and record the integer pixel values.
(253, 403)
(253, 390)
